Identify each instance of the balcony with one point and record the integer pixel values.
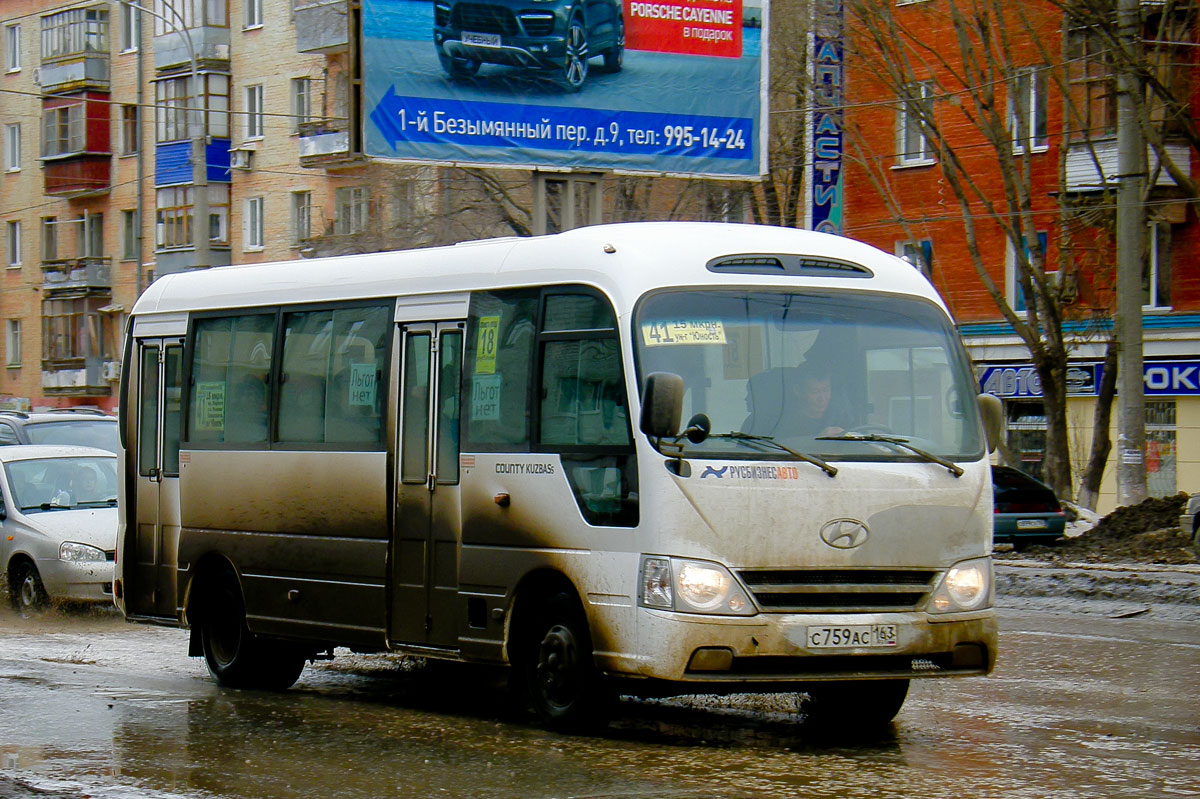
(74, 73)
(322, 26)
(75, 50)
(1092, 166)
(326, 143)
(210, 42)
(73, 274)
(77, 174)
(77, 377)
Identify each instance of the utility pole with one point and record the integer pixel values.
(1131, 225)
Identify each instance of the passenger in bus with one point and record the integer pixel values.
(302, 409)
(246, 418)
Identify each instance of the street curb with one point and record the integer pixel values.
(1110, 582)
(1182, 568)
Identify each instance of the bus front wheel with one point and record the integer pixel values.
(561, 679)
(853, 704)
(235, 657)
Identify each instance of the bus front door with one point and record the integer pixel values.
(151, 576)
(426, 609)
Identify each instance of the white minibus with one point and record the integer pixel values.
(636, 459)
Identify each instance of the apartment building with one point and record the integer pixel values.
(104, 106)
(1030, 120)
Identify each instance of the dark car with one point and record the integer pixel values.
(80, 427)
(556, 35)
(1026, 510)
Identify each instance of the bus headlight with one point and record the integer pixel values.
(967, 585)
(692, 586)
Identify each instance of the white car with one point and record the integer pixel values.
(58, 524)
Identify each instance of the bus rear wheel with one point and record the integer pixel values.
(561, 680)
(235, 657)
(853, 705)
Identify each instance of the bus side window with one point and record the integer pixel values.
(583, 387)
(583, 412)
(500, 339)
(229, 400)
(333, 363)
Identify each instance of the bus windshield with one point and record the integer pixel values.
(818, 372)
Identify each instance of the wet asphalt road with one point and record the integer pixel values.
(1082, 705)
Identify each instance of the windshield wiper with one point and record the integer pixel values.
(110, 502)
(896, 441)
(768, 441)
(46, 506)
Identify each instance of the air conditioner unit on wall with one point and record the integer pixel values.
(111, 370)
(241, 159)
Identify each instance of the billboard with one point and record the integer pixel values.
(664, 87)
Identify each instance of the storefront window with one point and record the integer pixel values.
(1160, 448)
(1027, 436)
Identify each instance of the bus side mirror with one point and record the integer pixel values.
(662, 404)
(993, 419)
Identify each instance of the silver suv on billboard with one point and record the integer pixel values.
(555, 35)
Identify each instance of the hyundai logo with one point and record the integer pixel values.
(845, 533)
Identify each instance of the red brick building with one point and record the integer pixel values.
(969, 126)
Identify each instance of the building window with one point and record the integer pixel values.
(1015, 294)
(1156, 268)
(1092, 87)
(13, 241)
(254, 13)
(49, 238)
(12, 147)
(129, 129)
(1160, 448)
(91, 236)
(352, 211)
(63, 130)
(919, 254)
(195, 14)
(74, 32)
(12, 47)
(254, 112)
(252, 224)
(173, 216)
(301, 101)
(129, 236)
(914, 114)
(131, 28)
(301, 216)
(172, 100)
(1027, 110)
(12, 342)
(405, 206)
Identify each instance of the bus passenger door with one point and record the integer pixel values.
(426, 609)
(151, 577)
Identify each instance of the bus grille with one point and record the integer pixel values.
(817, 590)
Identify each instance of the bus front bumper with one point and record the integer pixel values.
(761, 652)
